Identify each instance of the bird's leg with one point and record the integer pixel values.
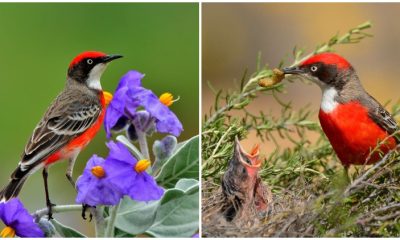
(346, 173)
(46, 189)
(70, 170)
(85, 207)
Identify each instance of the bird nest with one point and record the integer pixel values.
(368, 206)
(285, 218)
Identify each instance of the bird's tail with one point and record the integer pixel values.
(13, 188)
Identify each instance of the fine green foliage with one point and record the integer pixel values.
(312, 197)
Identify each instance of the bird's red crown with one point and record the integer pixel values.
(328, 58)
(89, 54)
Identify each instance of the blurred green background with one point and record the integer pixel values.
(233, 34)
(39, 40)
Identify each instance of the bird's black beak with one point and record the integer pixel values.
(109, 58)
(293, 70)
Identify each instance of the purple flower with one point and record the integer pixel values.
(129, 96)
(195, 236)
(18, 221)
(93, 186)
(129, 174)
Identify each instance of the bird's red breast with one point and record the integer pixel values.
(77, 144)
(353, 134)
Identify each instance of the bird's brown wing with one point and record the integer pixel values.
(68, 117)
(381, 117)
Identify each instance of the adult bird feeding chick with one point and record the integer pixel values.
(69, 124)
(353, 120)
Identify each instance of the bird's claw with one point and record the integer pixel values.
(84, 209)
(50, 210)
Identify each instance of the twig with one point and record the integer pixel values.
(356, 182)
(143, 144)
(111, 221)
(218, 144)
(57, 209)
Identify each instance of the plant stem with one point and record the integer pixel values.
(126, 142)
(58, 209)
(217, 146)
(99, 224)
(229, 106)
(143, 144)
(111, 221)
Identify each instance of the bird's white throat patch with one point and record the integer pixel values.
(93, 80)
(328, 103)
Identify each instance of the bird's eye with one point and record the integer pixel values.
(90, 61)
(314, 68)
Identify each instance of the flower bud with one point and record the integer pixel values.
(163, 149)
(144, 122)
(47, 227)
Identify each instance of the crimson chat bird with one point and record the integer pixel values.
(69, 124)
(353, 121)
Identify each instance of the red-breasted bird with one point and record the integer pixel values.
(68, 125)
(353, 120)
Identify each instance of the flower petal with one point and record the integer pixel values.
(119, 151)
(145, 188)
(17, 217)
(166, 120)
(96, 191)
(131, 79)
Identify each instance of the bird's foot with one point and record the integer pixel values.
(85, 207)
(50, 206)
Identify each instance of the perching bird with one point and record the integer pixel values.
(353, 120)
(243, 198)
(68, 125)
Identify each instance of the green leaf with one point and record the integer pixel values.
(136, 217)
(122, 234)
(178, 214)
(184, 163)
(66, 231)
(187, 185)
(175, 215)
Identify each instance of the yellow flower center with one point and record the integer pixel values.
(142, 165)
(7, 232)
(107, 97)
(98, 171)
(167, 99)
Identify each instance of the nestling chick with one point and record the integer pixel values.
(242, 188)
